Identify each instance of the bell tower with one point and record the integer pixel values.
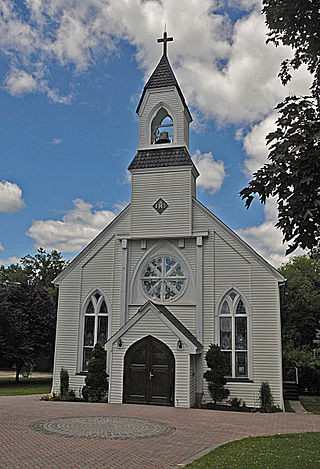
(162, 169)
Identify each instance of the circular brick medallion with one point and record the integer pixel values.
(111, 428)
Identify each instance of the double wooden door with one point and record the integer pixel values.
(149, 373)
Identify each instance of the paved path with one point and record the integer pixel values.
(196, 431)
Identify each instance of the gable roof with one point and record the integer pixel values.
(172, 322)
(162, 77)
(89, 247)
(161, 157)
(259, 258)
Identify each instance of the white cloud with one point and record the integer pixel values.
(226, 70)
(76, 229)
(1, 247)
(56, 141)
(212, 172)
(10, 260)
(19, 82)
(10, 197)
(266, 239)
(254, 144)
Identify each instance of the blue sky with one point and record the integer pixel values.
(71, 75)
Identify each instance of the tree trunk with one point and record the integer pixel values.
(18, 368)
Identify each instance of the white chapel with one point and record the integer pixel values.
(167, 278)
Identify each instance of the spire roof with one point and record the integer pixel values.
(163, 76)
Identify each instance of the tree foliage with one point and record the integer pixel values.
(20, 285)
(292, 174)
(300, 311)
(27, 324)
(295, 23)
(96, 386)
(215, 376)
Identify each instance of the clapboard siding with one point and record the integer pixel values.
(95, 270)
(174, 187)
(150, 324)
(237, 267)
(171, 100)
(66, 348)
(192, 381)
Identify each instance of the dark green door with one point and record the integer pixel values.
(149, 373)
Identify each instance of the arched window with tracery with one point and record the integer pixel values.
(162, 127)
(95, 325)
(233, 334)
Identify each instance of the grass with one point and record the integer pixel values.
(8, 386)
(292, 451)
(311, 405)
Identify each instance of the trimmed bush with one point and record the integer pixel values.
(266, 398)
(215, 376)
(96, 386)
(64, 383)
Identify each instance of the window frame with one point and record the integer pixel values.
(233, 315)
(163, 277)
(96, 314)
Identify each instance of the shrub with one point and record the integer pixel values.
(266, 398)
(64, 383)
(235, 403)
(96, 386)
(215, 376)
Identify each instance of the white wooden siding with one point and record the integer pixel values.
(234, 266)
(150, 324)
(95, 270)
(174, 187)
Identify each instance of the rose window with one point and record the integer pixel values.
(163, 278)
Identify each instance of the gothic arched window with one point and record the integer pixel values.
(162, 127)
(95, 325)
(233, 334)
(163, 278)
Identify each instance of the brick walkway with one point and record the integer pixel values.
(197, 431)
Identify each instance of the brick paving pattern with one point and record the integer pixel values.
(196, 432)
(112, 428)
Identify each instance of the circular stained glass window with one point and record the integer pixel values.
(163, 278)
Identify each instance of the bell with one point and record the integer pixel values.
(163, 137)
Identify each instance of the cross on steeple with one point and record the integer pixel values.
(165, 39)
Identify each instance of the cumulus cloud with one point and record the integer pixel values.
(266, 239)
(19, 82)
(254, 144)
(212, 172)
(76, 229)
(224, 73)
(10, 260)
(10, 197)
(1, 247)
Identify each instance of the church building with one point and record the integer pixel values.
(166, 278)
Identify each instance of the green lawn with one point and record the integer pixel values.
(8, 386)
(311, 404)
(292, 451)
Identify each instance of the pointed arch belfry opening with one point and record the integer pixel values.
(162, 127)
(149, 370)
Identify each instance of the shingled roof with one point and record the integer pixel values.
(161, 157)
(163, 76)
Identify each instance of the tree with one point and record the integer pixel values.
(27, 323)
(215, 375)
(292, 174)
(300, 311)
(96, 386)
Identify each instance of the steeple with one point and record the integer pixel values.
(162, 170)
(163, 113)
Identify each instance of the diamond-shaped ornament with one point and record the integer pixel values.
(160, 206)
